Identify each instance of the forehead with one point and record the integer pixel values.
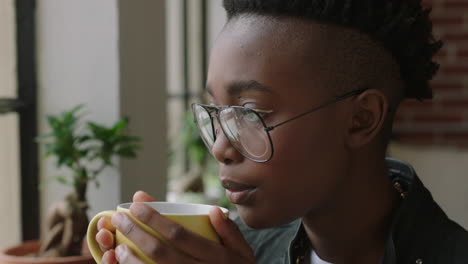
(263, 50)
(275, 38)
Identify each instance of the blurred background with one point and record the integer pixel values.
(147, 60)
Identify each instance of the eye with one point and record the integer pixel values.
(251, 117)
(255, 116)
(263, 113)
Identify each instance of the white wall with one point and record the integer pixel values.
(7, 49)
(444, 171)
(10, 224)
(78, 63)
(10, 199)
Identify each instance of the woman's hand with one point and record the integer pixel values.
(234, 249)
(106, 231)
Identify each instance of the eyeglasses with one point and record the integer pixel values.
(245, 128)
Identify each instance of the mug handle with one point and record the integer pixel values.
(91, 235)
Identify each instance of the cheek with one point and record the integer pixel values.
(312, 139)
(307, 166)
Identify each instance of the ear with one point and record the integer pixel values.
(367, 118)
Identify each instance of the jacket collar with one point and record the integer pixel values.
(416, 211)
(414, 217)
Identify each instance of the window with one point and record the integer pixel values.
(186, 71)
(18, 152)
(9, 135)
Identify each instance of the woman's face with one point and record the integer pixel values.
(292, 74)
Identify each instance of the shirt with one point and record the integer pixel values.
(315, 259)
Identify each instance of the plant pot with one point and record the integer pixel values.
(22, 254)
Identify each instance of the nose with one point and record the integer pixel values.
(223, 151)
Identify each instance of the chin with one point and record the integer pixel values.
(255, 219)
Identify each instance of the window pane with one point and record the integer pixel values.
(10, 222)
(9, 180)
(7, 49)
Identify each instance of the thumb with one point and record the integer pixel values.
(141, 196)
(230, 234)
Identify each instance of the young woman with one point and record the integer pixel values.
(303, 95)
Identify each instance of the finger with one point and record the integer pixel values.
(109, 257)
(151, 247)
(105, 222)
(124, 255)
(141, 196)
(230, 234)
(105, 239)
(187, 241)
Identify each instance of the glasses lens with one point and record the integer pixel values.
(203, 120)
(244, 129)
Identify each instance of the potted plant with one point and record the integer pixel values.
(85, 151)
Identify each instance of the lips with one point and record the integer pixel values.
(234, 186)
(238, 193)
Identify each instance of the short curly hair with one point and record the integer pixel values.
(402, 26)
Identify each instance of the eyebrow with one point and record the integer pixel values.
(238, 87)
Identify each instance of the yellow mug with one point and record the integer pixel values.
(193, 217)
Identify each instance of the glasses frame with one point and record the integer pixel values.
(217, 109)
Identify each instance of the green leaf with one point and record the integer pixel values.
(82, 139)
(94, 142)
(120, 125)
(83, 174)
(198, 155)
(60, 179)
(39, 139)
(127, 152)
(52, 120)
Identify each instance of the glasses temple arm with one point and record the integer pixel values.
(337, 99)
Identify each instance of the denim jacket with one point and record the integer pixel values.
(421, 233)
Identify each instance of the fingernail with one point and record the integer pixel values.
(120, 252)
(139, 210)
(225, 217)
(136, 206)
(117, 218)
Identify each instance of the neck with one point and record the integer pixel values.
(355, 225)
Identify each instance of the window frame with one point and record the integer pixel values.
(27, 99)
